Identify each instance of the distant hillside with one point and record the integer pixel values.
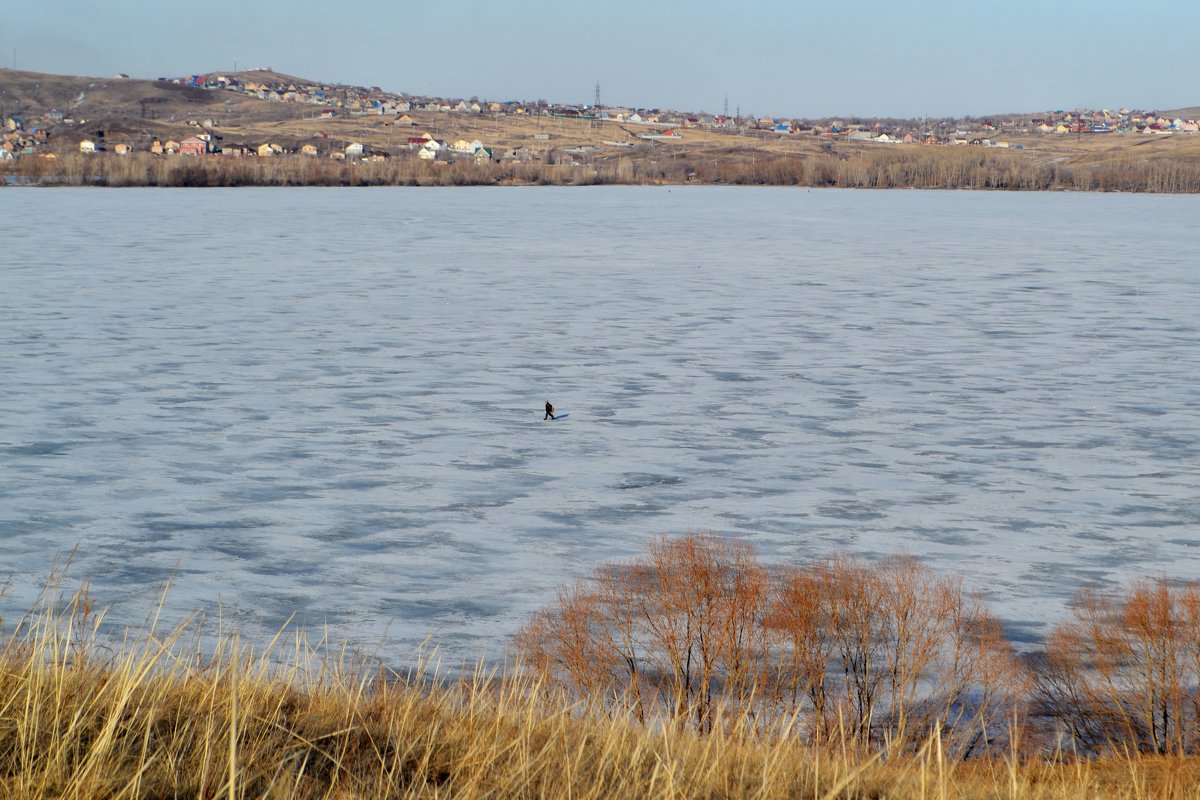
(268, 76)
(34, 92)
(121, 104)
(348, 135)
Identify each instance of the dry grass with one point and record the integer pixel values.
(160, 715)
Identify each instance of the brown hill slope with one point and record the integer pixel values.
(33, 93)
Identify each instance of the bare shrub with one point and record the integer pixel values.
(697, 631)
(675, 630)
(884, 654)
(1122, 672)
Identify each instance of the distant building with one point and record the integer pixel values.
(193, 146)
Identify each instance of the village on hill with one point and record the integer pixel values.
(52, 131)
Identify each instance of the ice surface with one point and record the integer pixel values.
(329, 402)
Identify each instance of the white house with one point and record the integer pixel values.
(87, 146)
(355, 149)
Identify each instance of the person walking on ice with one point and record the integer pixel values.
(549, 411)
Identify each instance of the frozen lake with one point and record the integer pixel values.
(328, 402)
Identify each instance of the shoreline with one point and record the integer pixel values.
(945, 169)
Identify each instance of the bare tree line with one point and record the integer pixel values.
(920, 168)
(697, 633)
(958, 168)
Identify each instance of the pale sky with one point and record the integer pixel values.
(902, 58)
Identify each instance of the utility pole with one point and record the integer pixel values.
(595, 122)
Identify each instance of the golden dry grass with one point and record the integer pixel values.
(166, 715)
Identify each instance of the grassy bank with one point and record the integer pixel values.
(893, 167)
(161, 715)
